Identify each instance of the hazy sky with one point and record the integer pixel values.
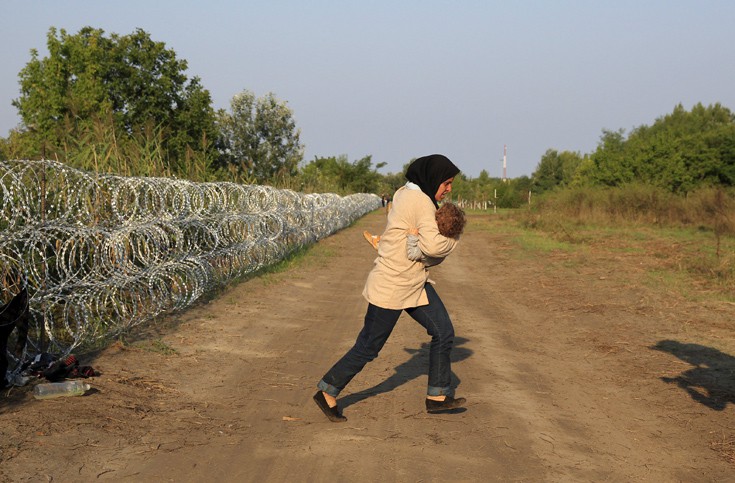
(402, 78)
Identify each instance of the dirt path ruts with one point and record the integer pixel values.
(554, 354)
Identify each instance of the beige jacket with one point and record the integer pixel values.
(395, 282)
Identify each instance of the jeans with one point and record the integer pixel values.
(379, 323)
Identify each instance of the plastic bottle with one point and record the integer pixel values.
(58, 389)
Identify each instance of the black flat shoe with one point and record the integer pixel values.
(332, 413)
(448, 403)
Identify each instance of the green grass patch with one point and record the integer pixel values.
(535, 242)
(672, 281)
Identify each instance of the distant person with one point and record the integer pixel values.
(450, 220)
(396, 284)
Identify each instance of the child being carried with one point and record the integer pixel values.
(450, 219)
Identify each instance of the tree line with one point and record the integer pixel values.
(679, 153)
(124, 104)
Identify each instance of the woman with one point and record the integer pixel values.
(396, 284)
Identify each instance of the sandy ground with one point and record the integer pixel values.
(576, 368)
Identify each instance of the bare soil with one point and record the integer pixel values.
(577, 366)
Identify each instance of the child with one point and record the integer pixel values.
(450, 220)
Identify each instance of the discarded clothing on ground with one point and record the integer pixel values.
(50, 367)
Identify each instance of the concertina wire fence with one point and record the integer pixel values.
(103, 253)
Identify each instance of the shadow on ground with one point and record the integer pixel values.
(711, 380)
(416, 366)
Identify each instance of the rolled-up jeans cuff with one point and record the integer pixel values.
(328, 388)
(439, 391)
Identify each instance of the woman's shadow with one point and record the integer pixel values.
(416, 366)
(712, 379)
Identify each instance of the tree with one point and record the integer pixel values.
(679, 152)
(16, 146)
(135, 81)
(548, 174)
(336, 173)
(259, 137)
(556, 170)
(683, 150)
(611, 166)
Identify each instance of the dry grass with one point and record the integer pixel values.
(684, 241)
(725, 447)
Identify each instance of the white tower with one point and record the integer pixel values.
(505, 174)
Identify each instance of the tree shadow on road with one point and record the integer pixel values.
(416, 366)
(712, 379)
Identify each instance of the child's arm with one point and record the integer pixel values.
(415, 253)
(431, 242)
(412, 245)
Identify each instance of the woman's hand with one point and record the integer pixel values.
(413, 231)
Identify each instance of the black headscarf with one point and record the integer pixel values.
(428, 172)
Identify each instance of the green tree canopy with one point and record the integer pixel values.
(259, 137)
(134, 82)
(556, 170)
(679, 152)
(336, 173)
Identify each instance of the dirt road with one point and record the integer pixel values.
(575, 366)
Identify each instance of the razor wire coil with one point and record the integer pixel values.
(103, 253)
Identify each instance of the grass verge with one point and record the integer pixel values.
(691, 261)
